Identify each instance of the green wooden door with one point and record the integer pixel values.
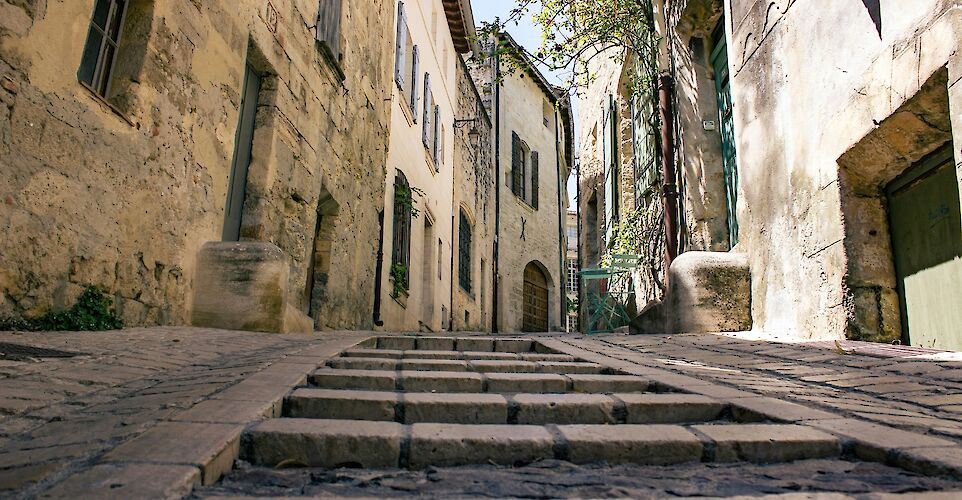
(243, 145)
(726, 127)
(926, 232)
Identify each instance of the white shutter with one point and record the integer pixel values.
(415, 65)
(400, 45)
(428, 109)
(436, 136)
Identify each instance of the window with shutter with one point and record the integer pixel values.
(534, 179)
(100, 49)
(464, 252)
(517, 165)
(329, 26)
(401, 242)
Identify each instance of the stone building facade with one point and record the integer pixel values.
(115, 170)
(419, 208)
(809, 142)
(532, 160)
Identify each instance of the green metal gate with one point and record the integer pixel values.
(609, 294)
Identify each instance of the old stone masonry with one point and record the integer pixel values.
(177, 412)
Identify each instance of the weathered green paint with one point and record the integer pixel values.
(726, 126)
(926, 229)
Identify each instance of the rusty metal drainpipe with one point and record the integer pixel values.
(669, 175)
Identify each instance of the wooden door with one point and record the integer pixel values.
(926, 228)
(535, 300)
(726, 127)
(243, 144)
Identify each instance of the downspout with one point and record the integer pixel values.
(451, 271)
(577, 167)
(669, 175)
(497, 190)
(561, 225)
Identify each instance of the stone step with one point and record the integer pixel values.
(465, 355)
(454, 365)
(454, 381)
(540, 409)
(484, 344)
(354, 443)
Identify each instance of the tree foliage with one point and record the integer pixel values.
(574, 33)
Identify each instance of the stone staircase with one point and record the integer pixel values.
(414, 402)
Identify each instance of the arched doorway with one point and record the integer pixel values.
(535, 300)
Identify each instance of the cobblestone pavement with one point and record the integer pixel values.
(60, 417)
(158, 412)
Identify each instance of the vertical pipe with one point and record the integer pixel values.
(562, 215)
(497, 187)
(669, 174)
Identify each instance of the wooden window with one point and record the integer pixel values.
(464, 253)
(524, 171)
(548, 112)
(518, 154)
(609, 134)
(436, 133)
(100, 49)
(401, 244)
(329, 27)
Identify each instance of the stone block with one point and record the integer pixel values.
(128, 481)
(541, 409)
(567, 367)
(874, 442)
(434, 344)
(525, 382)
(710, 292)
(371, 380)
(455, 408)
(764, 408)
(396, 343)
(533, 356)
(504, 366)
(449, 365)
(222, 411)
(670, 408)
(413, 381)
(479, 355)
(373, 353)
(513, 345)
(211, 447)
(341, 404)
(323, 443)
(242, 286)
(637, 444)
(942, 461)
(450, 444)
(363, 363)
(765, 443)
(474, 344)
(608, 383)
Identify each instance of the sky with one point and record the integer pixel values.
(529, 36)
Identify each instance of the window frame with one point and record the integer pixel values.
(329, 39)
(465, 242)
(100, 84)
(401, 231)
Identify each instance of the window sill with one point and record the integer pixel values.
(524, 204)
(331, 61)
(404, 102)
(429, 160)
(104, 102)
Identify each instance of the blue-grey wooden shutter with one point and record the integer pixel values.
(400, 45)
(517, 164)
(428, 112)
(436, 129)
(415, 65)
(534, 179)
(329, 25)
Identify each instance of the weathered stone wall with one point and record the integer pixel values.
(810, 81)
(474, 193)
(123, 194)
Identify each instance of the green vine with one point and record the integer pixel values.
(626, 236)
(399, 274)
(93, 311)
(405, 200)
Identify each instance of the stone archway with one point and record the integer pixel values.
(534, 299)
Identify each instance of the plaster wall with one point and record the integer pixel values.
(427, 308)
(122, 195)
(809, 82)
